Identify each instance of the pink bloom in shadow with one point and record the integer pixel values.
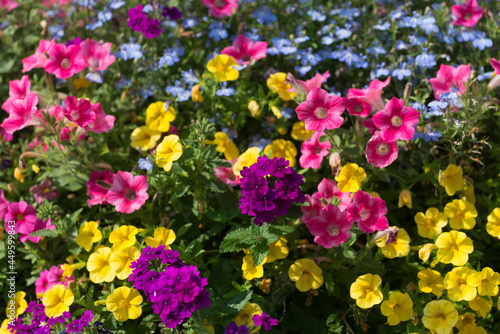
(101, 121)
(18, 89)
(467, 14)
(96, 56)
(450, 77)
(21, 114)
(44, 191)
(40, 57)
(331, 228)
(39, 225)
(226, 175)
(313, 152)
(356, 107)
(299, 86)
(321, 111)
(370, 126)
(220, 8)
(128, 192)
(78, 111)
(65, 61)
(396, 121)
(371, 95)
(246, 50)
(98, 185)
(4, 204)
(368, 212)
(8, 4)
(381, 153)
(495, 64)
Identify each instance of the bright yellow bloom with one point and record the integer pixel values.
(276, 83)
(282, 149)
(452, 179)
(144, 137)
(120, 261)
(462, 214)
(161, 236)
(399, 307)
(3, 328)
(88, 234)
(440, 316)
(425, 252)
(168, 151)
(461, 284)
(195, 94)
(430, 224)
(350, 178)
(489, 281)
(246, 159)
(99, 266)
(481, 306)
(464, 320)
(473, 329)
(222, 68)
(245, 316)
(57, 300)
(405, 199)
(123, 237)
(493, 224)
(18, 174)
(306, 274)
(225, 145)
(16, 305)
(366, 290)
(430, 281)
(454, 247)
(397, 248)
(124, 303)
(158, 118)
(468, 192)
(250, 270)
(254, 108)
(276, 111)
(277, 250)
(69, 268)
(35, 168)
(299, 131)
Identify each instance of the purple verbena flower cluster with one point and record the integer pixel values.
(150, 27)
(175, 291)
(233, 328)
(265, 321)
(268, 189)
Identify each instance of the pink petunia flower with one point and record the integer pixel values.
(313, 152)
(42, 283)
(65, 61)
(78, 111)
(379, 152)
(299, 86)
(311, 211)
(21, 114)
(495, 64)
(396, 121)
(321, 111)
(4, 135)
(43, 191)
(368, 212)
(371, 95)
(128, 192)
(450, 77)
(226, 175)
(56, 276)
(18, 89)
(370, 126)
(24, 216)
(467, 14)
(356, 107)
(219, 8)
(102, 122)
(98, 185)
(40, 224)
(77, 132)
(95, 55)
(495, 81)
(4, 204)
(8, 5)
(246, 50)
(331, 228)
(40, 57)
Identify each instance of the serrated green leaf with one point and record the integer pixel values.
(259, 252)
(233, 241)
(45, 233)
(234, 304)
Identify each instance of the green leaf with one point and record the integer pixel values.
(234, 304)
(181, 189)
(233, 241)
(281, 229)
(259, 252)
(45, 233)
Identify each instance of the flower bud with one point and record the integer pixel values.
(405, 199)
(254, 108)
(335, 163)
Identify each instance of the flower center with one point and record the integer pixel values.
(305, 274)
(383, 149)
(123, 303)
(65, 63)
(20, 216)
(220, 3)
(130, 195)
(468, 16)
(396, 121)
(321, 113)
(317, 150)
(364, 214)
(46, 190)
(333, 230)
(358, 108)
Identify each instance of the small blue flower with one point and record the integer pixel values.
(225, 91)
(130, 51)
(189, 77)
(401, 72)
(432, 135)
(264, 16)
(175, 90)
(382, 26)
(94, 77)
(316, 15)
(425, 59)
(145, 164)
(481, 42)
(217, 31)
(170, 57)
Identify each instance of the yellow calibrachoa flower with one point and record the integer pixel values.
(245, 316)
(225, 145)
(276, 111)
(195, 94)
(488, 282)
(366, 290)
(276, 83)
(306, 274)
(162, 236)
(299, 131)
(18, 174)
(222, 68)
(250, 270)
(282, 149)
(461, 284)
(481, 306)
(168, 151)
(452, 179)
(493, 224)
(350, 178)
(440, 316)
(468, 192)
(69, 268)
(99, 266)
(254, 108)
(35, 168)
(430, 224)
(20, 304)
(277, 250)
(454, 247)
(430, 281)
(405, 199)
(473, 329)
(123, 237)
(425, 252)
(4, 329)
(57, 300)
(464, 320)
(124, 303)
(398, 248)
(120, 261)
(144, 137)
(158, 118)
(398, 308)
(246, 159)
(462, 214)
(88, 234)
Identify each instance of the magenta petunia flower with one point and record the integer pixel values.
(356, 107)
(98, 185)
(495, 64)
(246, 50)
(368, 212)
(40, 224)
(467, 14)
(396, 121)
(321, 111)
(313, 209)
(371, 95)
(450, 77)
(24, 216)
(331, 228)
(313, 152)
(128, 192)
(299, 86)
(64, 61)
(136, 18)
(78, 111)
(18, 89)
(21, 114)
(220, 8)
(4, 204)
(8, 5)
(370, 126)
(226, 175)
(42, 283)
(44, 191)
(102, 122)
(40, 57)
(95, 55)
(379, 152)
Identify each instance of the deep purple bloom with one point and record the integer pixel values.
(173, 13)
(136, 18)
(151, 28)
(265, 321)
(43, 191)
(233, 328)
